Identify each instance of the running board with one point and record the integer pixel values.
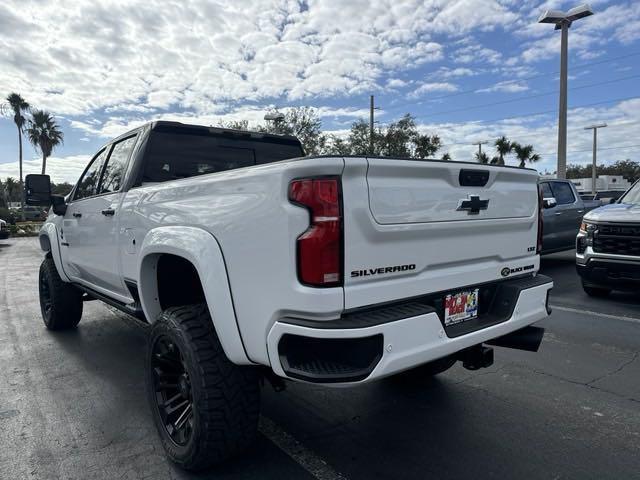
(133, 309)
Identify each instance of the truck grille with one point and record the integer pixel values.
(617, 239)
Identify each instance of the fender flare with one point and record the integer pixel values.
(48, 237)
(203, 251)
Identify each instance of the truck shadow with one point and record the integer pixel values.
(107, 355)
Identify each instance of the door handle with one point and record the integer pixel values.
(108, 212)
(580, 211)
(77, 214)
(558, 213)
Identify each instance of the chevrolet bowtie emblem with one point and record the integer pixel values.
(473, 204)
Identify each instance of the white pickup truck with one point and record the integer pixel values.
(250, 261)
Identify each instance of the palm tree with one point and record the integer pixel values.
(525, 154)
(10, 185)
(503, 147)
(447, 157)
(44, 133)
(19, 106)
(482, 157)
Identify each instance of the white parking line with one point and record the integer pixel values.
(298, 452)
(598, 314)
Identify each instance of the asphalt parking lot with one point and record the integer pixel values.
(72, 405)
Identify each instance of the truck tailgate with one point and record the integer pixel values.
(418, 227)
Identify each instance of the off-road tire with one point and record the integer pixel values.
(225, 398)
(60, 302)
(595, 291)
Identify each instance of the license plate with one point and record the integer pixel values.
(460, 307)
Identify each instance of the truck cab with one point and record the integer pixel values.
(562, 213)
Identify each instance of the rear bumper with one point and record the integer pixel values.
(610, 273)
(373, 345)
(4, 234)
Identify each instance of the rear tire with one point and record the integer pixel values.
(205, 407)
(595, 291)
(60, 302)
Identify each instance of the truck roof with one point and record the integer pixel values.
(165, 125)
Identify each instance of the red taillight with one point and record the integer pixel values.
(540, 221)
(320, 246)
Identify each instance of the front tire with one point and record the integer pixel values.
(60, 302)
(205, 407)
(595, 291)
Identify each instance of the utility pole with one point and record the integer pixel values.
(484, 142)
(595, 150)
(371, 121)
(562, 22)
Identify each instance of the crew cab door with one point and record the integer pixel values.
(562, 221)
(91, 224)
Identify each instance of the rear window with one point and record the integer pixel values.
(174, 153)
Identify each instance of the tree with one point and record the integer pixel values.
(503, 147)
(44, 133)
(12, 189)
(19, 106)
(629, 170)
(235, 124)
(302, 122)
(525, 154)
(482, 157)
(447, 157)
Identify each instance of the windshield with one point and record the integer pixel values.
(632, 196)
(178, 152)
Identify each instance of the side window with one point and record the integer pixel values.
(88, 183)
(113, 174)
(563, 193)
(546, 190)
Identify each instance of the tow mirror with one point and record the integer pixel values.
(37, 190)
(549, 202)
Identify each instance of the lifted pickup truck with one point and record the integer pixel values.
(252, 262)
(608, 246)
(563, 211)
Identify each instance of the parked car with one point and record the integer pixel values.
(605, 196)
(251, 262)
(563, 211)
(4, 230)
(608, 246)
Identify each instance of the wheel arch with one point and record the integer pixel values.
(48, 238)
(201, 250)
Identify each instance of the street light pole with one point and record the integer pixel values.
(595, 150)
(480, 146)
(562, 110)
(562, 21)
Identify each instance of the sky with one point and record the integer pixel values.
(467, 70)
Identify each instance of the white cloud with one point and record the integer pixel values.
(142, 56)
(509, 86)
(61, 169)
(429, 87)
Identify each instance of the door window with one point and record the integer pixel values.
(546, 190)
(88, 183)
(563, 193)
(114, 171)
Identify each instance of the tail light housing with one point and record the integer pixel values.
(319, 248)
(540, 221)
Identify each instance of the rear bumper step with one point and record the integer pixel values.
(383, 342)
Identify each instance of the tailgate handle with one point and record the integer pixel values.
(473, 178)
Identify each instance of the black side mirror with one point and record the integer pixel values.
(612, 200)
(37, 190)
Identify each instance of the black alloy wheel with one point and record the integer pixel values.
(173, 392)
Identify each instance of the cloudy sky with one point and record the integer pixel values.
(468, 70)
